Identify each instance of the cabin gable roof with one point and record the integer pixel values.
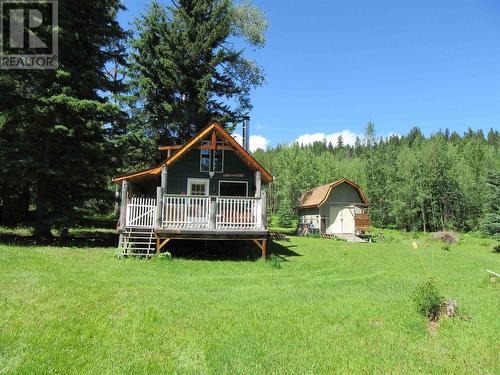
(214, 130)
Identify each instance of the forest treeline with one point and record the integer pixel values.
(118, 94)
(413, 182)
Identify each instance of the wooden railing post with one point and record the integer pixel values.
(263, 209)
(213, 214)
(123, 205)
(159, 206)
(164, 179)
(258, 184)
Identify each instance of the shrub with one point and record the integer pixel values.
(162, 256)
(428, 299)
(496, 248)
(446, 237)
(275, 261)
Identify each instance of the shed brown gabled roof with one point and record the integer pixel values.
(317, 196)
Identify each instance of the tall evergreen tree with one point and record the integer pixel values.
(340, 142)
(370, 135)
(186, 70)
(491, 221)
(58, 123)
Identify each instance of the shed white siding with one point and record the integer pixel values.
(338, 211)
(309, 216)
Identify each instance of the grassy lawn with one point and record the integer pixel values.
(332, 308)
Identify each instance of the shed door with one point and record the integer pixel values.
(341, 220)
(335, 220)
(348, 220)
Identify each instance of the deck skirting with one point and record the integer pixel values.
(142, 241)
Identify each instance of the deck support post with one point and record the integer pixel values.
(159, 204)
(262, 246)
(160, 244)
(123, 205)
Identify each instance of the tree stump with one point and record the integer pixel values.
(450, 307)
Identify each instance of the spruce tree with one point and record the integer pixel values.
(185, 69)
(491, 221)
(340, 142)
(58, 123)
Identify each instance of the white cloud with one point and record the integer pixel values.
(347, 136)
(256, 141)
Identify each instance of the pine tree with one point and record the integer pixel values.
(340, 142)
(185, 69)
(357, 146)
(493, 137)
(491, 222)
(61, 123)
(370, 136)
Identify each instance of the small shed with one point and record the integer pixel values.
(335, 208)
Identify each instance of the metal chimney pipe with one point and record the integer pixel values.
(246, 133)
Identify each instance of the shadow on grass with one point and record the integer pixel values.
(87, 240)
(234, 250)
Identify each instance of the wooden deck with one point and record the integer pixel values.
(151, 223)
(197, 213)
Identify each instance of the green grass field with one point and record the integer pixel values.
(333, 307)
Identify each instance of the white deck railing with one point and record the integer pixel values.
(191, 212)
(196, 212)
(141, 212)
(238, 213)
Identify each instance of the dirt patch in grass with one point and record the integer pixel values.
(433, 327)
(446, 237)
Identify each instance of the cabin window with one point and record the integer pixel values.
(218, 160)
(198, 186)
(233, 188)
(205, 159)
(211, 160)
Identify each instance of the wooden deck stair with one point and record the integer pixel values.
(138, 242)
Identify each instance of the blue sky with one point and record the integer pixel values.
(332, 66)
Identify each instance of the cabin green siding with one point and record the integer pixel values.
(188, 166)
